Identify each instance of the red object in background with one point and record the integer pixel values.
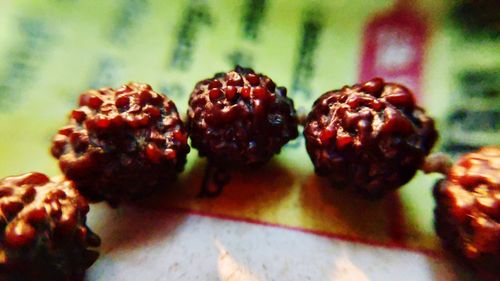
(393, 47)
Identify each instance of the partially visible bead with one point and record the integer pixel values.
(31, 237)
(467, 212)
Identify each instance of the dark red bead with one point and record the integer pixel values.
(374, 87)
(248, 127)
(374, 146)
(245, 92)
(260, 93)
(467, 212)
(112, 154)
(78, 115)
(215, 94)
(326, 135)
(253, 79)
(214, 84)
(94, 102)
(122, 101)
(32, 246)
(230, 93)
(234, 79)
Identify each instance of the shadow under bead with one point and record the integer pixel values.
(239, 119)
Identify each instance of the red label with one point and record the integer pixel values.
(393, 48)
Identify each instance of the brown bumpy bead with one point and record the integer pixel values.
(467, 213)
(44, 235)
(121, 143)
(369, 138)
(240, 118)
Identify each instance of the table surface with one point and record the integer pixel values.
(146, 244)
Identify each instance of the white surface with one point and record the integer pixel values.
(145, 245)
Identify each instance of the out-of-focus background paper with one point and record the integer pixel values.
(280, 222)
